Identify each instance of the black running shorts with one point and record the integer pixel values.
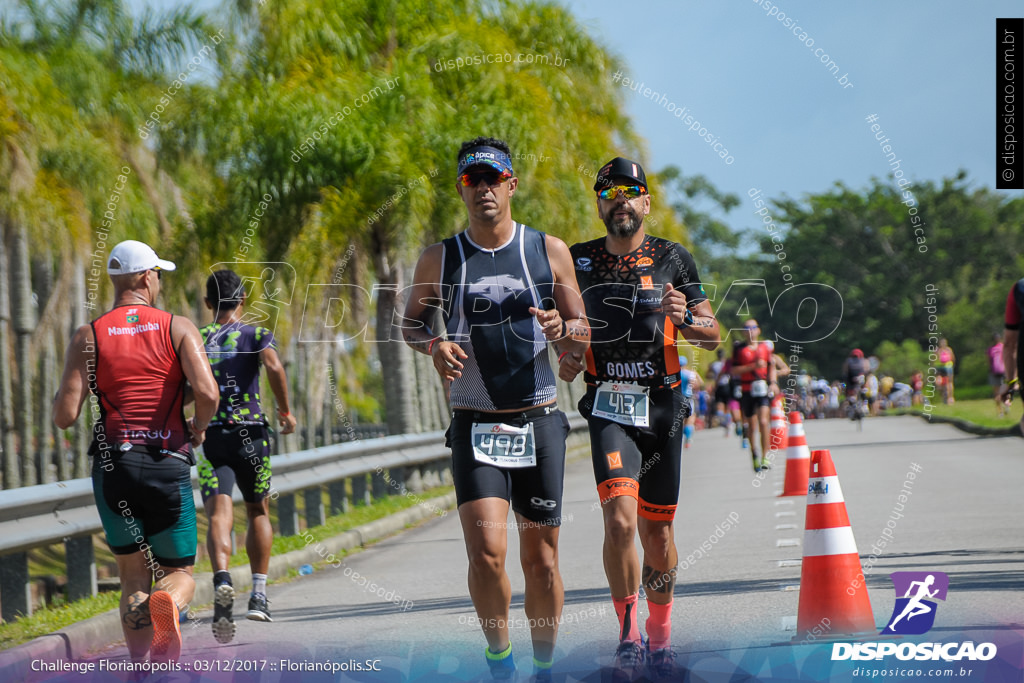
(641, 462)
(535, 492)
(145, 503)
(749, 404)
(235, 453)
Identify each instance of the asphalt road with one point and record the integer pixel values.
(735, 605)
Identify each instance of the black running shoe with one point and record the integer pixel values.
(629, 661)
(661, 664)
(258, 610)
(223, 620)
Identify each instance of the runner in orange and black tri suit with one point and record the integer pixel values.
(640, 293)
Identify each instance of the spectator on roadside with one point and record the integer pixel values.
(871, 391)
(944, 368)
(996, 371)
(917, 386)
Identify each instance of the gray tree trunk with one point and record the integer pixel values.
(299, 396)
(50, 457)
(326, 406)
(45, 386)
(395, 356)
(81, 432)
(318, 354)
(425, 415)
(11, 473)
(24, 322)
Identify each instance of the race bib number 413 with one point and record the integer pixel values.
(502, 445)
(623, 403)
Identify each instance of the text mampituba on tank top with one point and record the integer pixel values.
(133, 329)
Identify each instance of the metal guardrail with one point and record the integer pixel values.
(36, 516)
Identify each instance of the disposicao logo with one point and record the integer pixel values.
(914, 614)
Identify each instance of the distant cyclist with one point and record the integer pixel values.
(855, 370)
(1013, 354)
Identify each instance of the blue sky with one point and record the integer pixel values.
(925, 68)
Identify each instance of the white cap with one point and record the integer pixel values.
(132, 256)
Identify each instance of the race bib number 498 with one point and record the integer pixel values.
(502, 445)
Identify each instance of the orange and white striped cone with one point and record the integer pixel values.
(797, 458)
(832, 589)
(777, 435)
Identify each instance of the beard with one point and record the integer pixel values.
(624, 226)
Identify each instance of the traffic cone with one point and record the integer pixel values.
(797, 458)
(832, 589)
(777, 436)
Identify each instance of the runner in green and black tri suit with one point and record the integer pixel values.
(237, 446)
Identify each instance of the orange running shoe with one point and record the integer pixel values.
(166, 646)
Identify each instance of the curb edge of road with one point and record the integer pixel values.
(102, 630)
(971, 428)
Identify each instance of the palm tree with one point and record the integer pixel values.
(81, 74)
(305, 62)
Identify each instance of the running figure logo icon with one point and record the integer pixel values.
(914, 613)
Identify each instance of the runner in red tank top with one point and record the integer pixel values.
(753, 366)
(139, 382)
(135, 359)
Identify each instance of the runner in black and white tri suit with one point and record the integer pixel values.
(504, 291)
